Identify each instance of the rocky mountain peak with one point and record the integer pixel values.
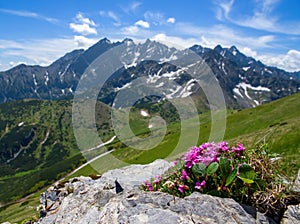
(242, 78)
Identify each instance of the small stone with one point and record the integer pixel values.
(119, 188)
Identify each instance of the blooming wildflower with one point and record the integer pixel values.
(192, 157)
(239, 149)
(182, 188)
(148, 185)
(158, 179)
(203, 183)
(184, 175)
(223, 146)
(199, 185)
(205, 153)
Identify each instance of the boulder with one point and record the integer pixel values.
(84, 200)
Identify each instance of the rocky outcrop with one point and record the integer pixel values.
(85, 200)
(292, 214)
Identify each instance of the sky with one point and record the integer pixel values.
(39, 32)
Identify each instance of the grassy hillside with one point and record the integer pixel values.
(37, 145)
(276, 123)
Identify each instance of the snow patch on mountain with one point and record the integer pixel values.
(144, 113)
(62, 74)
(21, 124)
(134, 61)
(246, 68)
(242, 89)
(46, 76)
(173, 74)
(34, 80)
(127, 85)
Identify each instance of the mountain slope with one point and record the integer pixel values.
(248, 81)
(37, 144)
(244, 81)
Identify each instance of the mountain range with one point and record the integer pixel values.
(245, 81)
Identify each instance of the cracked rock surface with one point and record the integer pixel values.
(84, 200)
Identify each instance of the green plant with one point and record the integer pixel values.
(220, 170)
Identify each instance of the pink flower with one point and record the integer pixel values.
(201, 185)
(192, 157)
(239, 149)
(182, 188)
(184, 175)
(223, 146)
(158, 179)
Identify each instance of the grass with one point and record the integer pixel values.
(276, 123)
(37, 145)
(23, 210)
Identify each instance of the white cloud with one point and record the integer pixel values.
(173, 41)
(156, 18)
(132, 7)
(223, 35)
(142, 23)
(81, 19)
(130, 30)
(289, 61)
(249, 52)
(261, 18)
(14, 63)
(112, 15)
(83, 25)
(83, 29)
(29, 14)
(83, 42)
(135, 5)
(225, 7)
(33, 51)
(171, 20)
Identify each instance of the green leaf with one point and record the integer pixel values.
(231, 177)
(224, 167)
(246, 181)
(247, 172)
(199, 169)
(260, 183)
(212, 168)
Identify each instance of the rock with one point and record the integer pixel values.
(155, 207)
(84, 200)
(292, 214)
(296, 186)
(81, 199)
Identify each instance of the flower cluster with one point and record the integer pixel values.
(217, 169)
(213, 168)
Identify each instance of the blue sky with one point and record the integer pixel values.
(39, 32)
